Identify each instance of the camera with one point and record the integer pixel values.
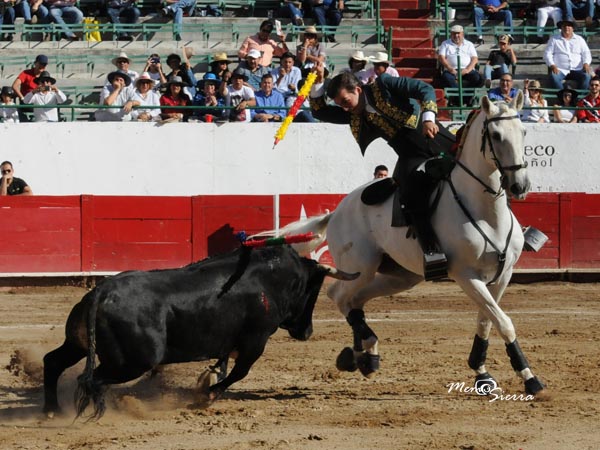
(155, 60)
(47, 88)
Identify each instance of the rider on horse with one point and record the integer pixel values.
(389, 109)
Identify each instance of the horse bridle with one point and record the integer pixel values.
(486, 138)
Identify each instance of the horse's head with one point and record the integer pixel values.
(502, 143)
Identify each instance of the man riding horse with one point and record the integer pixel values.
(389, 109)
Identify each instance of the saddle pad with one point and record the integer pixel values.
(378, 192)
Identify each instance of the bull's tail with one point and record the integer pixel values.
(87, 388)
(316, 225)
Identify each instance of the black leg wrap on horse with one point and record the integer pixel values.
(485, 384)
(533, 386)
(360, 329)
(517, 358)
(367, 364)
(345, 360)
(478, 352)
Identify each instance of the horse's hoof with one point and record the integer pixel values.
(533, 386)
(485, 384)
(50, 415)
(345, 361)
(368, 364)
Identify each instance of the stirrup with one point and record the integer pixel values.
(435, 266)
(534, 239)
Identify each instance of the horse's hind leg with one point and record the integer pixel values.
(490, 311)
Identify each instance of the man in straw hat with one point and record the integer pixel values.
(381, 65)
(122, 63)
(262, 42)
(46, 93)
(403, 112)
(568, 57)
(356, 65)
(325, 12)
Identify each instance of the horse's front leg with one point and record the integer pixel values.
(364, 355)
(484, 382)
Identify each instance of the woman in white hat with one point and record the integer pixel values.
(381, 64)
(311, 51)
(145, 95)
(356, 65)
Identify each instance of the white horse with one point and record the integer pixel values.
(477, 231)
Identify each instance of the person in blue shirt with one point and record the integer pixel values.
(207, 95)
(491, 9)
(505, 92)
(266, 96)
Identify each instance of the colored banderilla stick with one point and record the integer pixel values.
(294, 239)
(302, 94)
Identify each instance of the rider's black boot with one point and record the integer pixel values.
(435, 264)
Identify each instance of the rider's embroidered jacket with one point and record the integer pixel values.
(394, 99)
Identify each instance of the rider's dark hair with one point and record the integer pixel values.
(344, 80)
(380, 167)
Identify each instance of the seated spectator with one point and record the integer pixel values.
(46, 93)
(125, 10)
(145, 95)
(534, 99)
(118, 95)
(25, 81)
(182, 70)
(61, 12)
(310, 51)
(491, 10)
(286, 78)
(381, 171)
(381, 65)
(176, 9)
(547, 9)
(220, 64)
(253, 70)
(505, 92)
(568, 57)
(325, 12)
(592, 100)
(238, 95)
(579, 9)
(122, 63)
(498, 60)
(262, 42)
(206, 95)
(267, 96)
(565, 111)
(11, 185)
(175, 96)
(450, 49)
(356, 66)
(154, 69)
(7, 113)
(292, 10)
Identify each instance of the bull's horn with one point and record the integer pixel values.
(339, 274)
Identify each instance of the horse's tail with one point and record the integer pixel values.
(87, 388)
(316, 225)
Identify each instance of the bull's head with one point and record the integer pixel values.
(301, 328)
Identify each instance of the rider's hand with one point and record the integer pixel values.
(430, 129)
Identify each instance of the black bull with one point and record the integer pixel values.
(136, 321)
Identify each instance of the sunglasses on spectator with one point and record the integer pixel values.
(505, 81)
(6, 171)
(122, 61)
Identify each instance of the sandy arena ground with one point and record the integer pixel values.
(294, 398)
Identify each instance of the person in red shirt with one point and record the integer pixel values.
(174, 96)
(590, 100)
(25, 82)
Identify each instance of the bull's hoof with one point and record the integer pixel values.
(368, 364)
(485, 384)
(533, 386)
(345, 361)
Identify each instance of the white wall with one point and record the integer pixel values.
(193, 159)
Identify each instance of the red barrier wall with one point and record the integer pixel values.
(104, 233)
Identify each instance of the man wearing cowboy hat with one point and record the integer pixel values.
(381, 65)
(403, 112)
(568, 57)
(239, 95)
(253, 70)
(118, 95)
(356, 65)
(311, 51)
(122, 63)
(262, 42)
(325, 12)
(46, 93)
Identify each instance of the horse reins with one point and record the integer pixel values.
(486, 138)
